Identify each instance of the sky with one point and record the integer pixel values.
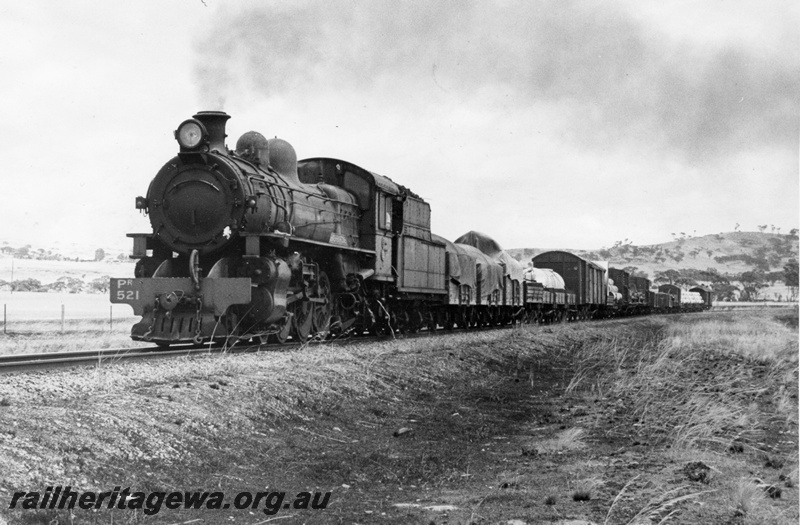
(552, 124)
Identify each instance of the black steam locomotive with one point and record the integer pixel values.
(256, 245)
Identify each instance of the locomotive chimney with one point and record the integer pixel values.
(214, 121)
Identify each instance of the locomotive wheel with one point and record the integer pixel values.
(302, 320)
(384, 325)
(321, 319)
(231, 323)
(282, 334)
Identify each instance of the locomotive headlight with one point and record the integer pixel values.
(191, 134)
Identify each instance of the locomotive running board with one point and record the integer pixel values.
(292, 238)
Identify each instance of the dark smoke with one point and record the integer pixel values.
(618, 81)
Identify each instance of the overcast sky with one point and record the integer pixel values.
(540, 123)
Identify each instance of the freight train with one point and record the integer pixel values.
(254, 244)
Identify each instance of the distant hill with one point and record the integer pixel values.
(64, 268)
(60, 251)
(699, 258)
(733, 252)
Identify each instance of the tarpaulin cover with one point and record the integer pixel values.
(468, 270)
(613, 291)
(489, 246)
(453, 266)
(489, 273)
(546, 277)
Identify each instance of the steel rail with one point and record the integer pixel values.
(42, 361)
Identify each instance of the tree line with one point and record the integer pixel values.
(61, 285)
(40, 254)
(723, 284)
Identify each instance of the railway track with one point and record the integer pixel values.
(33, 362)
(44, 361)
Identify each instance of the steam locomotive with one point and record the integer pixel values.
(256, 245)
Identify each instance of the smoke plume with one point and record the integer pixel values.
(612, 78)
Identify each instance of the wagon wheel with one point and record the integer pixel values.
(478, 318)
(447, 320)
(321, 319)
(401, 321)
(302, 320)
(392, 323)
(430, 321)
(462, 318)
(475, 318)
(417, 321)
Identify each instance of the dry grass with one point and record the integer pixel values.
(84, 334)
(567, 440)
(166, 416)
(584, 489)
(694, 383)
(660, 508)
(748, 501)
(722, 387)
(753, 335)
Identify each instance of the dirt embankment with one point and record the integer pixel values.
(540, 425)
